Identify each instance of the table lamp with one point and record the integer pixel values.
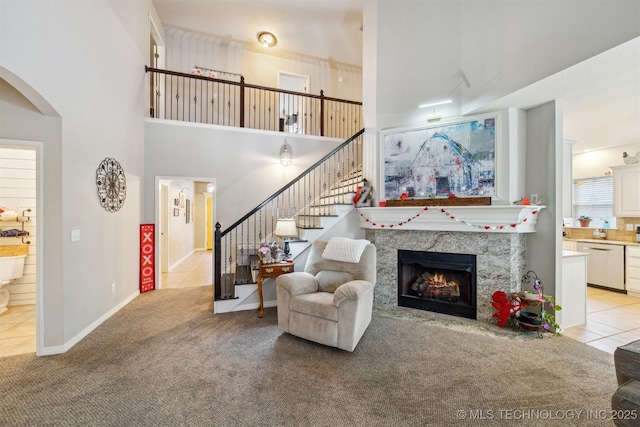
(286, 227)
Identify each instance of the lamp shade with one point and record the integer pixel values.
(286, 227)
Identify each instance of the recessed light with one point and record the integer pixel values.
(433, 104)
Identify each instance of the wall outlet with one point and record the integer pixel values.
(75, 235)
(629, 227)
(113, 288)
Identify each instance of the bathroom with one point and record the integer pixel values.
(17, 238)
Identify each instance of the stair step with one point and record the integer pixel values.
(344, 199)
(320, 204)
(318, 215)
(327, 210)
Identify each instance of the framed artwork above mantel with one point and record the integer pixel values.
(456, 158)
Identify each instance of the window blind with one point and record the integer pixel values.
(593, 197)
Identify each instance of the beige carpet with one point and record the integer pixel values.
(166, 360)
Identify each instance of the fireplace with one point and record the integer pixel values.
(437, 281)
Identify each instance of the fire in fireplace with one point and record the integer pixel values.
(436, 281)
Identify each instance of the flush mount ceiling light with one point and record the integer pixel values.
(267, 39)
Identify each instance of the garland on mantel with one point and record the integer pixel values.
(437, 209)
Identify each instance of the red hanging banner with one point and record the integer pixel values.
(147, 258)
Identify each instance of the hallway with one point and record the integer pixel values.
(18, 324)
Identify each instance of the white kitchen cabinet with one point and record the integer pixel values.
(633, 270)
(626, 190)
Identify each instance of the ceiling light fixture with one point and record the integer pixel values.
(286, 154)
(267, 39)
(433, 104)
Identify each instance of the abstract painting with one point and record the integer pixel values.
(438, 161)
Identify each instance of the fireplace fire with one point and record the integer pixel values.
(436, 281)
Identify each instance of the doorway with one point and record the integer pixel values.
(293, 108)
(185, 213)
(156, 80)
(20, 169)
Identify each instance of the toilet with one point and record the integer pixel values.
(11, 268)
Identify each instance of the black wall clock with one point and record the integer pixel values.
(112, 184)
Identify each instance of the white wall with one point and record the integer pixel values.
(187, 49)
(18, 192)
(244, 163)
(543, 176)
(181, 234)
(598, 163)
(21, 121)
(87, 60)
(497, 46)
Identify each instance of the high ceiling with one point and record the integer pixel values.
(317, 28)
(601, 96)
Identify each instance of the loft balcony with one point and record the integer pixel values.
(202, 97)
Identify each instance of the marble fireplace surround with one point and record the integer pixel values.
(500, 260)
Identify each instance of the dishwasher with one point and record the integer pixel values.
(605, 264)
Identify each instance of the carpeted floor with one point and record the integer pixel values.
(166, 360)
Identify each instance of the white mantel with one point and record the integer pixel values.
(481, 219)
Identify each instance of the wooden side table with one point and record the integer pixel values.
(266, 271)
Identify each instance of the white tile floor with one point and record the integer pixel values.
(194, 271)
(18, 323)
(613, 318)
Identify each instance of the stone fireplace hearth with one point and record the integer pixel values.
(500, 260)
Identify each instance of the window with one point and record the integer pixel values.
(593, 197)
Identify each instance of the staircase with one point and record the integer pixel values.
(320, 199)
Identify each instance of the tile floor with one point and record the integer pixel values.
(18, 323)
(194, 271)
(613, 319)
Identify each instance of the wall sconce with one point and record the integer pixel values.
(285, 228)
(286, 155)
(267, 39)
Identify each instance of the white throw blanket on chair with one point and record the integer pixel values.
(344, 249)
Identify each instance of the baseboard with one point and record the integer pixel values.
(48, 351)
(177, 263)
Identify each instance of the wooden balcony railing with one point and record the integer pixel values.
(201, 99)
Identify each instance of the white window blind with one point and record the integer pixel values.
(593, 197)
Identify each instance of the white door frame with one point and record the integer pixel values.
(158, 207)
(38, 146)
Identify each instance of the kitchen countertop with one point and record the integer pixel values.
(570, 254)
(606, 242)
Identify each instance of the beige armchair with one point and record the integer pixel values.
(331, 301)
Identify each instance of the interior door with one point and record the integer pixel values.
(293, 108)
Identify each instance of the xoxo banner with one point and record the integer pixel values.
(147, 258)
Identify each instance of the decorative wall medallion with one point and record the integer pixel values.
(112, 184)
